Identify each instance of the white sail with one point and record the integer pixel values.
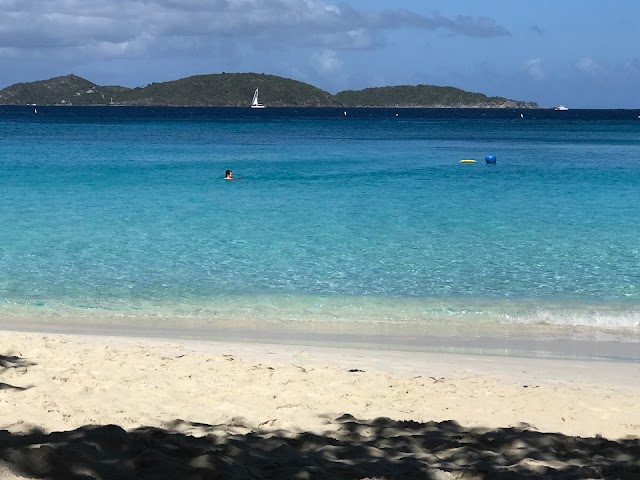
(254, 102)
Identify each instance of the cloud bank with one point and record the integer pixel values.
(128, 28)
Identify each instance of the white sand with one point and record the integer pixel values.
(63, 382)
(72, 381)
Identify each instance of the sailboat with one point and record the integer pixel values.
(254, 102)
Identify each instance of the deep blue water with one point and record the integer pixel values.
(365, 217)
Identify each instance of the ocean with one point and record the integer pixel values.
(347, 227)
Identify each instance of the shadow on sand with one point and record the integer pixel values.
(380, 448)
(8, 362)
(11, 361)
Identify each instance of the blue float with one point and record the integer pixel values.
(491, 158)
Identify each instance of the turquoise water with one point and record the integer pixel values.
(120, 216)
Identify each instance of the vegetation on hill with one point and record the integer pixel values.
(236, 89)
(229, 89)
(424, 96)
(67, 90)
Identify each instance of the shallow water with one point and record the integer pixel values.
(119, 216)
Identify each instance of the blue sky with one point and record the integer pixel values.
(581, 53)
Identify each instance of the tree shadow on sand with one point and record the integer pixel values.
(380, 448)
(9, 362)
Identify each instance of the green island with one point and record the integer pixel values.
(236, 90)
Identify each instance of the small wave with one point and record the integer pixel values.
(401, 313)
(592, 318)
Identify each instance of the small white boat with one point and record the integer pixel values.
(254, 102)
(561, 108)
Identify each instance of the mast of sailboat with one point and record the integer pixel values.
(254, 102)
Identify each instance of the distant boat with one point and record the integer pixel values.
(254, 102)
(561, 108)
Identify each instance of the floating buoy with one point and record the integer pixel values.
(491, 158)
(467, 161)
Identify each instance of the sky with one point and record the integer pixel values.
(579, 53)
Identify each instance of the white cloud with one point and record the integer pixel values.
(632, 66)
(128, 27)
(326, 62)
(589, 66)
(534, 68)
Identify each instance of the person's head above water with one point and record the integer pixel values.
(228, 175)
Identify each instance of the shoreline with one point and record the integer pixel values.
(498, 340)
(112, 403)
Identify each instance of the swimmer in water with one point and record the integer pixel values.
(228, 175)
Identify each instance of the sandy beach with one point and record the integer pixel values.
(75, 406)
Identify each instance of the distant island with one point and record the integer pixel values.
(236, 90)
